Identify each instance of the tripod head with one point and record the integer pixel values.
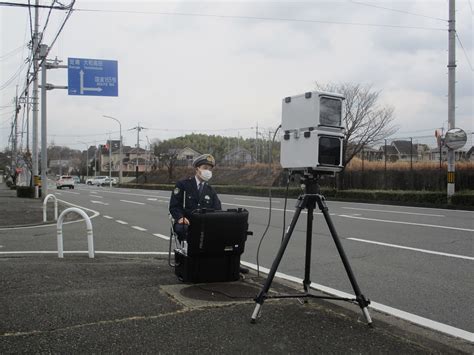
(310, 179)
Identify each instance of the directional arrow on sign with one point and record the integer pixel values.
(81, 85)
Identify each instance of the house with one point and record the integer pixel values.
(404, 150)
(238, 156)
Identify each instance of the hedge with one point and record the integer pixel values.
(460, 200)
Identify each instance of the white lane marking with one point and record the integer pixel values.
(121, 222)
(100, 203)
(414, 249)
(97, 196)
(139, 228)
(93, 192)
(136, 203)
(70, 192)
(387, 211)
(130, 194)
(254, 199)
(425, 322)
(152, 199)
(108, 217)
(273, 209)
(408, 223)
(161, 236)
(404, 207)
(85, 252)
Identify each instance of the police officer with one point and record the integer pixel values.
(193, 193)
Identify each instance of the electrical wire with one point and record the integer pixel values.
(13, 52)
(396, 10)
(270, 162)
(464, 50)
(280, 19)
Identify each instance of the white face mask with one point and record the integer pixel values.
(206, 175)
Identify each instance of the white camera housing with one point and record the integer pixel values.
(313, 133)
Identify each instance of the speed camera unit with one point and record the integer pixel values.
(313, 133)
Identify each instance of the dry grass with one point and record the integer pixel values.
(357, 165)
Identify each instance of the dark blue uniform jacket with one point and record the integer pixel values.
(185, 198)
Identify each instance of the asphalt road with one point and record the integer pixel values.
(418, 260)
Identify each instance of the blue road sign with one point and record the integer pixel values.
(92, 77)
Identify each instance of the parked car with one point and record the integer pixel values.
(65, 181)
(95, 180)
(106, 182)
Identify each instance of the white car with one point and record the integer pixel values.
(96, 180)
(106, 181)
(65, 181)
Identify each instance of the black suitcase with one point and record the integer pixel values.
(215, 241)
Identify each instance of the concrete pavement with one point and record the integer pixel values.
(134, 304)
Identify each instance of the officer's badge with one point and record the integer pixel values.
(176, 191)
(207, 197)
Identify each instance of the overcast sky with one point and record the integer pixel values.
(223, 67)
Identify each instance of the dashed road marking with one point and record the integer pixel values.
(108, 217)
(121, 222)
(390, 211)
(139, 228)
(161, 236)
(99, 203)
(152, 199)
(134, 202)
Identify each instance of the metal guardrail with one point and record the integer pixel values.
(90, 236)
(45, 218)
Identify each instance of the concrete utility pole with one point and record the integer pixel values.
(44, 120)
(451, 92)
(138, 128)
(35, 156)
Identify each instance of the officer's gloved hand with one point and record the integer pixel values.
(181, 231)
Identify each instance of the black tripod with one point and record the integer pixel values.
(308, 201)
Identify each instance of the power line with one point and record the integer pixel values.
(465, 53)
(260, 18)
(396, 10)
(16, 4)
(12, 52)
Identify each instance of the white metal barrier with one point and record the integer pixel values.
(45, 218)
(90, 236)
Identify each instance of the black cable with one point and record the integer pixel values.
(31, 21)
(270, 161)
(284, 209)
(46, 22)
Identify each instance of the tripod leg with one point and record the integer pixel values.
(309, 237)
(263, 293)
(360, 298)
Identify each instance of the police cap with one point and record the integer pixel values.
(204, 159)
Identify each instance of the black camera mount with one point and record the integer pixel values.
(308, 200)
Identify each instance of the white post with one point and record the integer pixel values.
(45, 218)
(90, 236)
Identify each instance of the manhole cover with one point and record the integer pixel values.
(223, 292)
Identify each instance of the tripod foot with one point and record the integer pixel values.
(255, 313)
(367, 317)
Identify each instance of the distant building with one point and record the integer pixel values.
(238, 156)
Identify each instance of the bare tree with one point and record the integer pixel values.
(365, 120)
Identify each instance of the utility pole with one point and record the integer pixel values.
(45, 65)
(256, 143)
(451, 92)
(138, 128)
(35, 156)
